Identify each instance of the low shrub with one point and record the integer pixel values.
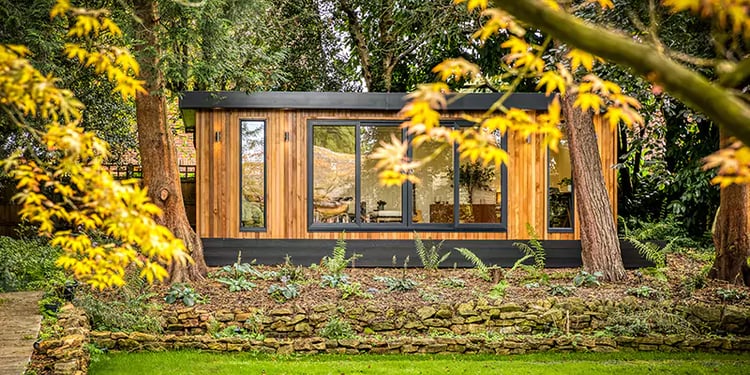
(284, 292)
(183, 293)
(396, 284)
(585, 279)
(336, 329)
(643, 291)
(123, 309)
(27, 264)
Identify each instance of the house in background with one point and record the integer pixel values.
(286, 173)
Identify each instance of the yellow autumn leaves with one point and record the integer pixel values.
(68, 194)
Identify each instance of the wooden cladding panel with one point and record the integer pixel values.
(218, 179)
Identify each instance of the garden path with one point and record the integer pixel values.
(19, 327)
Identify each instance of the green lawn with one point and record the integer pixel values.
(191, 362)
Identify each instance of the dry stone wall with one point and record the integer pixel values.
(67, 354)
(426, 345)
(567, 316)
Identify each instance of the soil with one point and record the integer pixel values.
(523, 288)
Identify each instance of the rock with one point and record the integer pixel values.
(138, 336)
(650, 340)
(296, 319)
(281, 311)
(224, 316)
(466, 309)
(303, 328)
(349, 343)
(509, 307)
(234, 347)
(736, 315)
(706, 313)
(66, 367)
(217, 346)
(324, 308)
(426, 312)
(435, 323)
(285, 350)
(119, 335)
(444, 313)
(416, 325)
(383, 326)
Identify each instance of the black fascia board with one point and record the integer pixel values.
(348, 100)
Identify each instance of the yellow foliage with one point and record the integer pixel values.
(729, 14)
(552, 81)
(498, 20)
(457, 68)
(581, 58)
(473, 4)
(72, 189)
(732, 164)
(604, 4)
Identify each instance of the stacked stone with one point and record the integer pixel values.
(68, 352)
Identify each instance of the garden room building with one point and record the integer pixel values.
(288, 173)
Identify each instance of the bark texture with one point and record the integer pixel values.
(732, 234)
(156, 145)
(600, 247)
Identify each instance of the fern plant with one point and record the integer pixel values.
(338, 261)
(533, 250)
(430, 257)
(651, 251)
(482, 270)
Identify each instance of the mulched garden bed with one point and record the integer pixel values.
(682, 272)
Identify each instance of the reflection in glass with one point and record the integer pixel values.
(380, 204)
(334, 166)
(480, 190)
(560, 187)
(252, 197)
(433, 195)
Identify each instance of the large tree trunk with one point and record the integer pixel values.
(600, 246)
(732, 234)
(156, 145)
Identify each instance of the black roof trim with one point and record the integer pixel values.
(346, 100)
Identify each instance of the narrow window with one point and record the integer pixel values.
(253, 171)
(560, 189)
(434, 194)
(378, 204)
(480, 191)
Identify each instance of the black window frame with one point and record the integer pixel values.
(407, 206)
(264, 228)
(572, 202)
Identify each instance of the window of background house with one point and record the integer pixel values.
(253, 168)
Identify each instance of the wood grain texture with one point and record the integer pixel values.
(218, 179)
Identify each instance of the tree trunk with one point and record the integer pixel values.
(732, 234)
(600, 247)
(156, 145)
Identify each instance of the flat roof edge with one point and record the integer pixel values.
(347, 100)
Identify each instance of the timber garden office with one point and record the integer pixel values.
(286, 173)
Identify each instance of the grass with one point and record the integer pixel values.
(193, 362)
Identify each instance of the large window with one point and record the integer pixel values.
(253, 172)
(345, 191)
(560, 189)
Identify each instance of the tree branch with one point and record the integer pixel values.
(355, 32)
(719, 104)
(736, 76)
